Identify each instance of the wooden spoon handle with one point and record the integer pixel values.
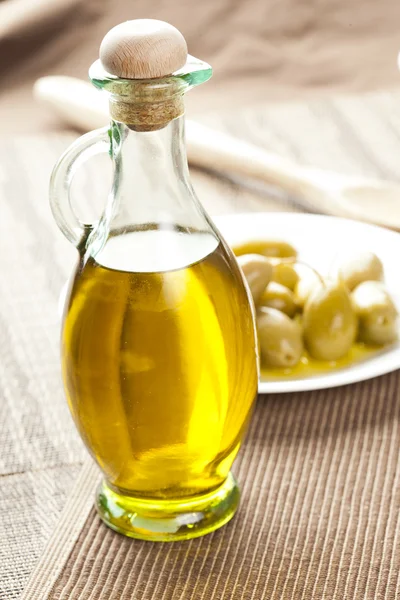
(74, 101)
(222, 152)
(82, 106)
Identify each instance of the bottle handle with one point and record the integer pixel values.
(88, 145)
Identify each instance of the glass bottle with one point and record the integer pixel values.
(158, 339)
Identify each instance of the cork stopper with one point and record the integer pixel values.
(143, 49)
(144, 54)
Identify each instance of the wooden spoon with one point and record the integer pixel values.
(374, 201)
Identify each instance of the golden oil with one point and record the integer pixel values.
(311, 367)
(158, 357)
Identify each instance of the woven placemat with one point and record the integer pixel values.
(319, 515)
(318, 472)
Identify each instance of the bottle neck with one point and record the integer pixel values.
(149, 161)
(151, 186)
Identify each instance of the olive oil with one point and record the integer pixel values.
(311, 367)
(158, 349)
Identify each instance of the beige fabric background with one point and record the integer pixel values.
(261, 50)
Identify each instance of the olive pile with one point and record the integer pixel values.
(298, 309)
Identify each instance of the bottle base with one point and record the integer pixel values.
(164, 520)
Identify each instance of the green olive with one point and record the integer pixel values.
(329, 322)
(280, 297)
(308, 282)
(376, 312)
(280, 340)
(257, 271)
(285, 274)
(270, 248)
(360, 267)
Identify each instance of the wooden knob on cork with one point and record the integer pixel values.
(143, 49)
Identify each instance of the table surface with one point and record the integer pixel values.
(319, 471)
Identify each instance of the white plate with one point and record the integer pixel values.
(320, 241)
